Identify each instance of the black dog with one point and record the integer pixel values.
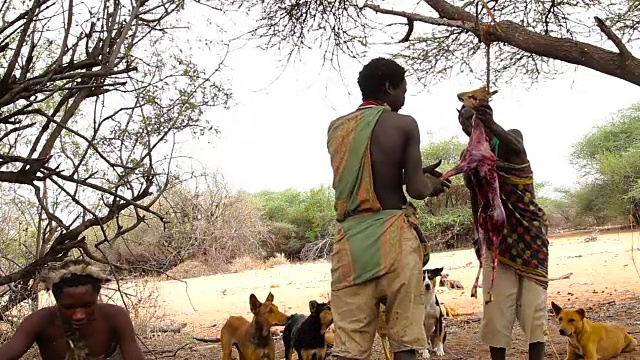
(305, 334)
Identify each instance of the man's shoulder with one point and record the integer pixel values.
(112, 309)
(115, 314)
(45, 312)
(516, 132)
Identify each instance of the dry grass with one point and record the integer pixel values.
(190, 269)
(142, 299)
(245, 263)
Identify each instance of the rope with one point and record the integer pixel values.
(486, 42)
(488, 69)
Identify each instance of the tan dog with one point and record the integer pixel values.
(589, 339)
(253, 340)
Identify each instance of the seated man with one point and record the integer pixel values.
(78, 327)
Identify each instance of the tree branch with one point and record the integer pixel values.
(511, 33)
(615, 39)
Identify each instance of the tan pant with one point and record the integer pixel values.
(514, 297)
(355, 308)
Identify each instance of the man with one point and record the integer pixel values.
(377, 256)
(520, 289)
(78, 327)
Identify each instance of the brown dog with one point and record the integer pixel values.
(253, 339)
(591, 340)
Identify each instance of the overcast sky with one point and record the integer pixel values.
(274, 137)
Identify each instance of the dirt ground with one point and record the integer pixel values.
(604, 281)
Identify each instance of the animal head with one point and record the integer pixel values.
(443, 278)
(267, 311)
(471, 98)
(571, 321)
(429, 277)
(323, 311)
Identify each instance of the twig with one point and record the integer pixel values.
(615, 39)
(561, 277)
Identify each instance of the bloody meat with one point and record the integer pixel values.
(479, 163)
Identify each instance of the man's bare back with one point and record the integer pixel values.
(396, 161)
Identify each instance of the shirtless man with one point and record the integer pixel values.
(520, 289)
(377, 255)
(96, 330)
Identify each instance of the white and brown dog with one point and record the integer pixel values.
(433, 316)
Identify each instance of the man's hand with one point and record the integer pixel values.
(436, 185)
(432, 175)
(432, 170)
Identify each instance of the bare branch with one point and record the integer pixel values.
(615, 39)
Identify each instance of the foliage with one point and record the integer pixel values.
(206, 222)
(609, 159)
(296, 218)
(92, 101)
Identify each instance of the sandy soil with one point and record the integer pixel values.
(602, 270)
(604, 280)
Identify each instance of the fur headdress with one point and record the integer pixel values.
(69, 268)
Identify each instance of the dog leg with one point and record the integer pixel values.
(571, 352)
(439, 349)
(474, 288)
(385, 346)
(226, 346)
(424, 354)
(632, 344)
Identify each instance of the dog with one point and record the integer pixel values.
(382, 332)
(433, 322)
(433, 315)
(591, 340)
(306, 334)
(253, 339)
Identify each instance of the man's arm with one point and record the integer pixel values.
(24, 337)
(417, 185)
(126, 335)
(511, 138)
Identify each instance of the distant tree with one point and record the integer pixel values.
(608, 158)
(92, 98)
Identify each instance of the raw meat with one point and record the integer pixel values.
(479, 163)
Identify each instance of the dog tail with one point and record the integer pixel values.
(207, 340)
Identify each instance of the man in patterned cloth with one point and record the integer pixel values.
(78, 327)
(377, 253)
(520, 289)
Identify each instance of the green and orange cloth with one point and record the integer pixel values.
(525, 246)
(367, 236)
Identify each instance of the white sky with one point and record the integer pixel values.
(274, 137)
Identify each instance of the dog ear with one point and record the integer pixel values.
(581, 313)
(313, 305)
(556, 308)
(438, 271)
(269, 297)
(254, 304)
